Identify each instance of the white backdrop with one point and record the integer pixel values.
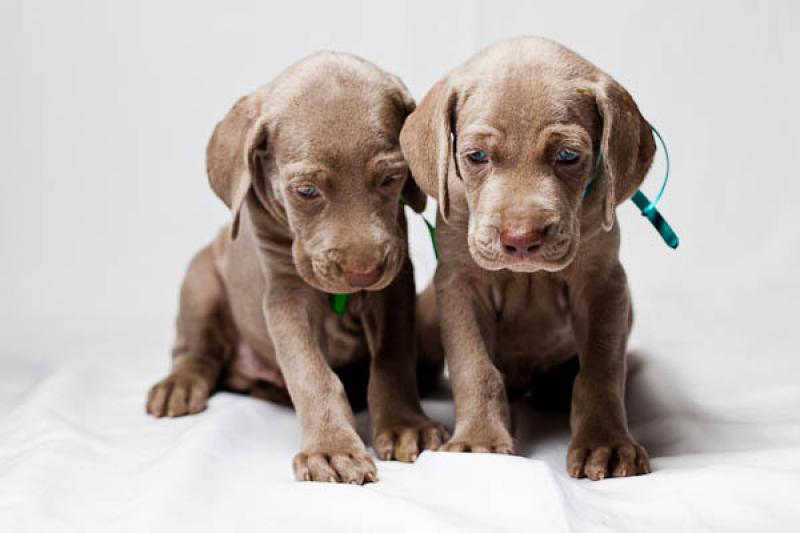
(105, 111)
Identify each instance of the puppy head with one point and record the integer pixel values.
(520, 130)
(319, 149)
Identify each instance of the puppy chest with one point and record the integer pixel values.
(534, 326)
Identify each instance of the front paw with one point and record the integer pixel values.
(404, 441)
(598, 458)
(178, 394)
(482, 438)
(335, 464)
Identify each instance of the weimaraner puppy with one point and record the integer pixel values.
(311, 167)
(529, 148)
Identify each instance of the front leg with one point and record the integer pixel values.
(400, 428)
(479, 394)
(331, 449)
(601, 443)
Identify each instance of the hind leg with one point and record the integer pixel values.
(204, 341)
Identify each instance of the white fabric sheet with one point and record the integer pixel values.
(717, 412)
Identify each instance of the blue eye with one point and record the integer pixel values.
(386, 181)
(567, 156)
(307, 191)
(478, 156)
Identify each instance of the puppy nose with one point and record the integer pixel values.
(361, 280)
(522, 241)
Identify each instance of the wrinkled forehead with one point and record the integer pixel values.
(338, 126)
(522, 102)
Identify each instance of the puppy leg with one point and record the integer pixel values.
(482, 414)
(400, 428)
(430, 353)
(331, 450)
(601, 445)
(203, 341)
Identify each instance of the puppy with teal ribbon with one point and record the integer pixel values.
(529, 149)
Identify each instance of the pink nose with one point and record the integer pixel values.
(522, 241)
(361, 280)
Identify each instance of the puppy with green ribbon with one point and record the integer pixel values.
(311, 168)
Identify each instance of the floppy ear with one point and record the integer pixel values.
(413, 196)
(427, 143)
(231, 152)
(627, 146)
(411, 193)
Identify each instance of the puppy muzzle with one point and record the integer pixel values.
(338, 271)
(522, 247)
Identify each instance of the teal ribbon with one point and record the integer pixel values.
(656, 219)
(648, 208)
